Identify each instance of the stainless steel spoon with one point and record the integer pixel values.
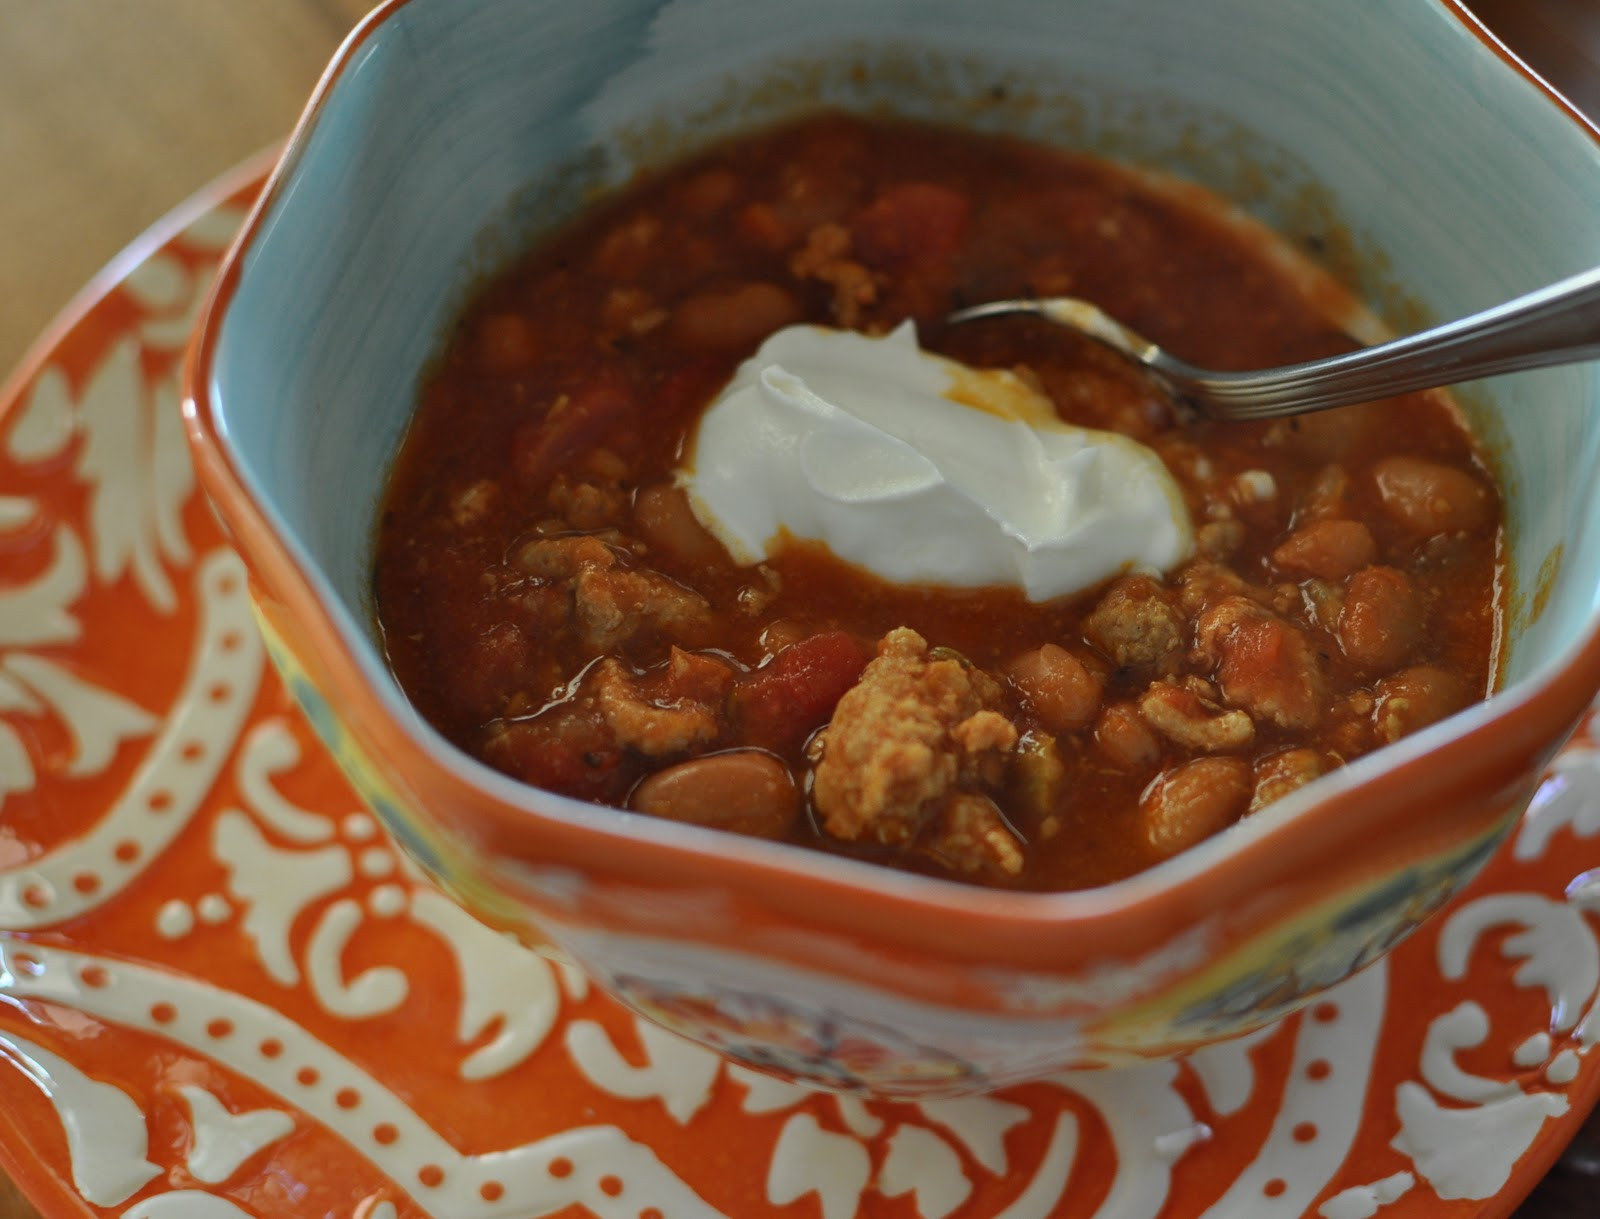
(1555, 325)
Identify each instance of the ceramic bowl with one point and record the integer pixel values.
(1433, 174)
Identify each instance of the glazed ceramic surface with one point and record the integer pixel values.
(224, 994)
(445, 134)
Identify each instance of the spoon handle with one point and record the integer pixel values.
(1559, 324)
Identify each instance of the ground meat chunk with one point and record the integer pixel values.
(972, 837)
(984, 731)
(904, 740)
(587, 505)
(562, 558)
(1203, 584)
(1219, 539)
(1137, 626)
(614, 605)
(678, 713)
(1184, 718)
(1263, 664)
(826, 257)
(474, 503)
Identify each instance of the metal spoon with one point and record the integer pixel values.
(1555, 325)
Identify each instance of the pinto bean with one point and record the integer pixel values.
(1382, 619)
(708, 191)
(1414, 698)
(783, 633)
(668, 523)
(1063, 692)
(1193, 801)
(1426, 497)
(506, 343)
(1329, 496)
(761, 226)
(629, 247)
(733, 317)
(1126, 739)
(1329, 550)
(1328, 435)
(747, 791)
(1281, 773)
(1137, 625)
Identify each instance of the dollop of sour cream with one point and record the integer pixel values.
(924, 471)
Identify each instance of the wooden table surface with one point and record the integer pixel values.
(111, 111)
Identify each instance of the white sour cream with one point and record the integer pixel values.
(924, 471)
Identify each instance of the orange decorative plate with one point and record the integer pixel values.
(223, 994)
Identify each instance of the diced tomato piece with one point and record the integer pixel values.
(795, 692)
(911, 223)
